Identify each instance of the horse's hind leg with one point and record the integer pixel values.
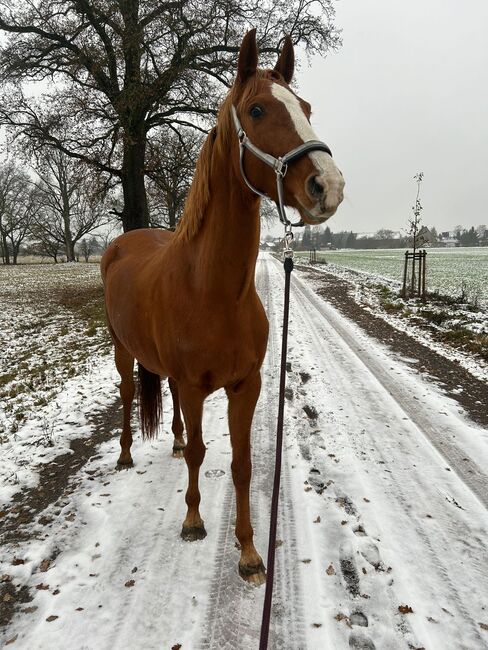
(192, 406)
(242, 402)
(125, 366)
(177, 425)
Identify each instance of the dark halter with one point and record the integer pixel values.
(280, 165)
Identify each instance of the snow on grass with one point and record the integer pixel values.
(450, 271)
(55, 368)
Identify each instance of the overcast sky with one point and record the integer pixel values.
(407, 92)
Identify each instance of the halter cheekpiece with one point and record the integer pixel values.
(280, 164)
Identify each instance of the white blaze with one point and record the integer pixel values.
(325, 166)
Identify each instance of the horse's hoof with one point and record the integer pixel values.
(178, 452)
(125, 463)
(193, 533)
(254, 574)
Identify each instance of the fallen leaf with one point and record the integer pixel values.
(17, 560)
(177, 646)
(306, 561)
(79, 609)
(134, 570)
(308, 488)
(44, 565)
(5, 578)
(11, 640)
(51, 618)
(56, 592)
(42, 586)
(130, 583)
(316, 624)
(278, 543)
(343, 522)
(330, 571)
(29, 610)
(483, 626)
(405, 609)
(365, 499)
(7, 598)
(317, 521)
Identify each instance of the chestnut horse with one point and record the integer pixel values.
(185, 305)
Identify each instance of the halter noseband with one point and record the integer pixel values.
(280, 165)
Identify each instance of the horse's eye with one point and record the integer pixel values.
(256, 111)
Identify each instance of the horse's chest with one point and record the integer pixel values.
(219, 351)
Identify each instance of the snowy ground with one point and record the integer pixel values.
(383, 517)
(426, 323)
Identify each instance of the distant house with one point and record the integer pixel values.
(448, 242)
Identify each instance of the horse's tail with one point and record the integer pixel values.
(150, 402)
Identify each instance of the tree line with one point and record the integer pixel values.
(318, 238)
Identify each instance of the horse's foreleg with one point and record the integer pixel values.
(177, 425)
(192, 406)
(242, 402)
(125, 366)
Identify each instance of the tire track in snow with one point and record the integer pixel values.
(320, 325)
(466, 468)
(233, 617)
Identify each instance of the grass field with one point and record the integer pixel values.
(51, 323)
(449, 270)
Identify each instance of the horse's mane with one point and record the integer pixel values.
(217, 143)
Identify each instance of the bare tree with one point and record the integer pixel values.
(385, 233)
(170, 168)
(17, 209)
(69, 207)
(114, 72)
(415, 231)
(88, 246)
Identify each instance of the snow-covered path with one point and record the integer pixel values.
(383, 522)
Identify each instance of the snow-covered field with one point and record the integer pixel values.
(383, 517)
(450, 271)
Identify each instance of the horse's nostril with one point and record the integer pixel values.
(315, 187)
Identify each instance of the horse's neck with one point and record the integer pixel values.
(228, 243)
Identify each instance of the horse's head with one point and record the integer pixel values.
(276, 121)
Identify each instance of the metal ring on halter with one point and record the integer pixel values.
(279, 165)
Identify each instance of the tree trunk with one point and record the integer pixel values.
(6, 253)
(135, 213)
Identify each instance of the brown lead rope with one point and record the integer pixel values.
(268, 596)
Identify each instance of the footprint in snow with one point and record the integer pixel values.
(360, 641)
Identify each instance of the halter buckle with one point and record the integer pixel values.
(280, 167)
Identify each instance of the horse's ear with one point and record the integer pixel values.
(286, 61)
(248, 57)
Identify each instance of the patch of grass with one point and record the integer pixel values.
(459, 335)
(436, 317)
(391, 307)
(6, 378)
